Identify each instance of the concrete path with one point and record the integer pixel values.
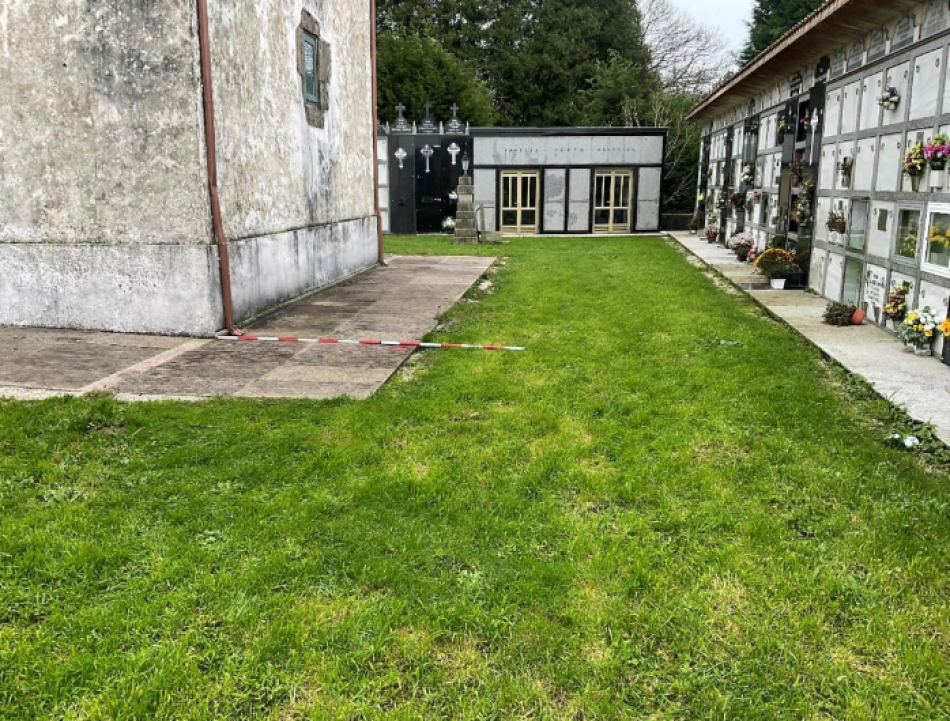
(401, 302)
(921, 385)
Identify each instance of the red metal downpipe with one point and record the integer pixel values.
(204, 45)
(379, 212)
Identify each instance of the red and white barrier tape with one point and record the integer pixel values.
(391, 343)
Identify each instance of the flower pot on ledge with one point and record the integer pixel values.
(946, 351)
(858, 317)
(777, 283)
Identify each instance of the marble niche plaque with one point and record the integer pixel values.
(878, 46)
(838, 64)
(904, 33)
(856, 56)
(875, 291)
(935, 18)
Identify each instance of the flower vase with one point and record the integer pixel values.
(937, 176)
(924, 352)
(946, 351)
(777, 283)
(915, 183)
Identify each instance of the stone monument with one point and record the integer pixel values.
(466, 232)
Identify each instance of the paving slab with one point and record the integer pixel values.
(400, 302)
(921, 385)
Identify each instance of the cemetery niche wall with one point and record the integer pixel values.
(813, 134)
(527, 181)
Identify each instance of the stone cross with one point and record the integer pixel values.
(427, 153)
(401, 156)
(401, 109)
(454, 151)
(428, 107)
(455, 110)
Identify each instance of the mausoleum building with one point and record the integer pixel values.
(527, 181)
(109, 151)
(804, 147)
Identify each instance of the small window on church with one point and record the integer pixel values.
(311, 74)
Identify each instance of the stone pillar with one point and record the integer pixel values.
(465, 230)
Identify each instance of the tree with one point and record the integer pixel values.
(415, 71)
(771, 19)
(687, 57)
(536, 56)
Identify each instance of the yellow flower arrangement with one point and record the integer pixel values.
(945, 328)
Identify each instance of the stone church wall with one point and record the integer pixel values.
(104, 212)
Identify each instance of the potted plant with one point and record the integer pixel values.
(895, 309)
(915, 164)
(737, 200)
(748, 175)
(845, 167)
(918, 331)
(836, 222)
(742, 244)
(936, 153)
(777, 265)
(843, 314)
(712, 230)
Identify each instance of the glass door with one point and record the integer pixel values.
(519, 201)
(613, 194)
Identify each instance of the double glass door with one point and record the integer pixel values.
(613, 193)
(519, 202)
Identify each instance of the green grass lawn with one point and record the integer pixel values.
(670, 507)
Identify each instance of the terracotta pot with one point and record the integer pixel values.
(858, 317)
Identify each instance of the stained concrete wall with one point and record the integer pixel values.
(302, 194)
(104, 217)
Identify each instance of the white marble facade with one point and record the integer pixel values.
(910, 52)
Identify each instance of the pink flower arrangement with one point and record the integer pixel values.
(937, 152)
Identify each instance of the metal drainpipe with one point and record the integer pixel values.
(375, 99)
(204, 45)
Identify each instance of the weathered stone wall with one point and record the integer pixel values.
(100, 135)
(277, 172)
(104, 213)
(297, 199)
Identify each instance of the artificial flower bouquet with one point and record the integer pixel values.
(937, 151)
(919, 329)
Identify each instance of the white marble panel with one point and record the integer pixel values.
(926, 85)
(579, 207)
(898, 77)
(485, 194)
(816, 276)
(833, 112)
(834, 276)
(829, 162)
(871, 88)
(555, 200)
(863, 174)
(648, 215)
(822, 209)
(874, 294)
(650, 184)
(890, 156)
(850, 99)
(881, 228)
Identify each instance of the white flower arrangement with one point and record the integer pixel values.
(919, 329)
(453, 195)
(889, 99)
(448, 223)
(748, 175)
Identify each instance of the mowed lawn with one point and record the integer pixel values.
(670, 507)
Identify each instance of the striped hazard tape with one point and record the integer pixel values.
(339, 341)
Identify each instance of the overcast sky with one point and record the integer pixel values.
(730, 16)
